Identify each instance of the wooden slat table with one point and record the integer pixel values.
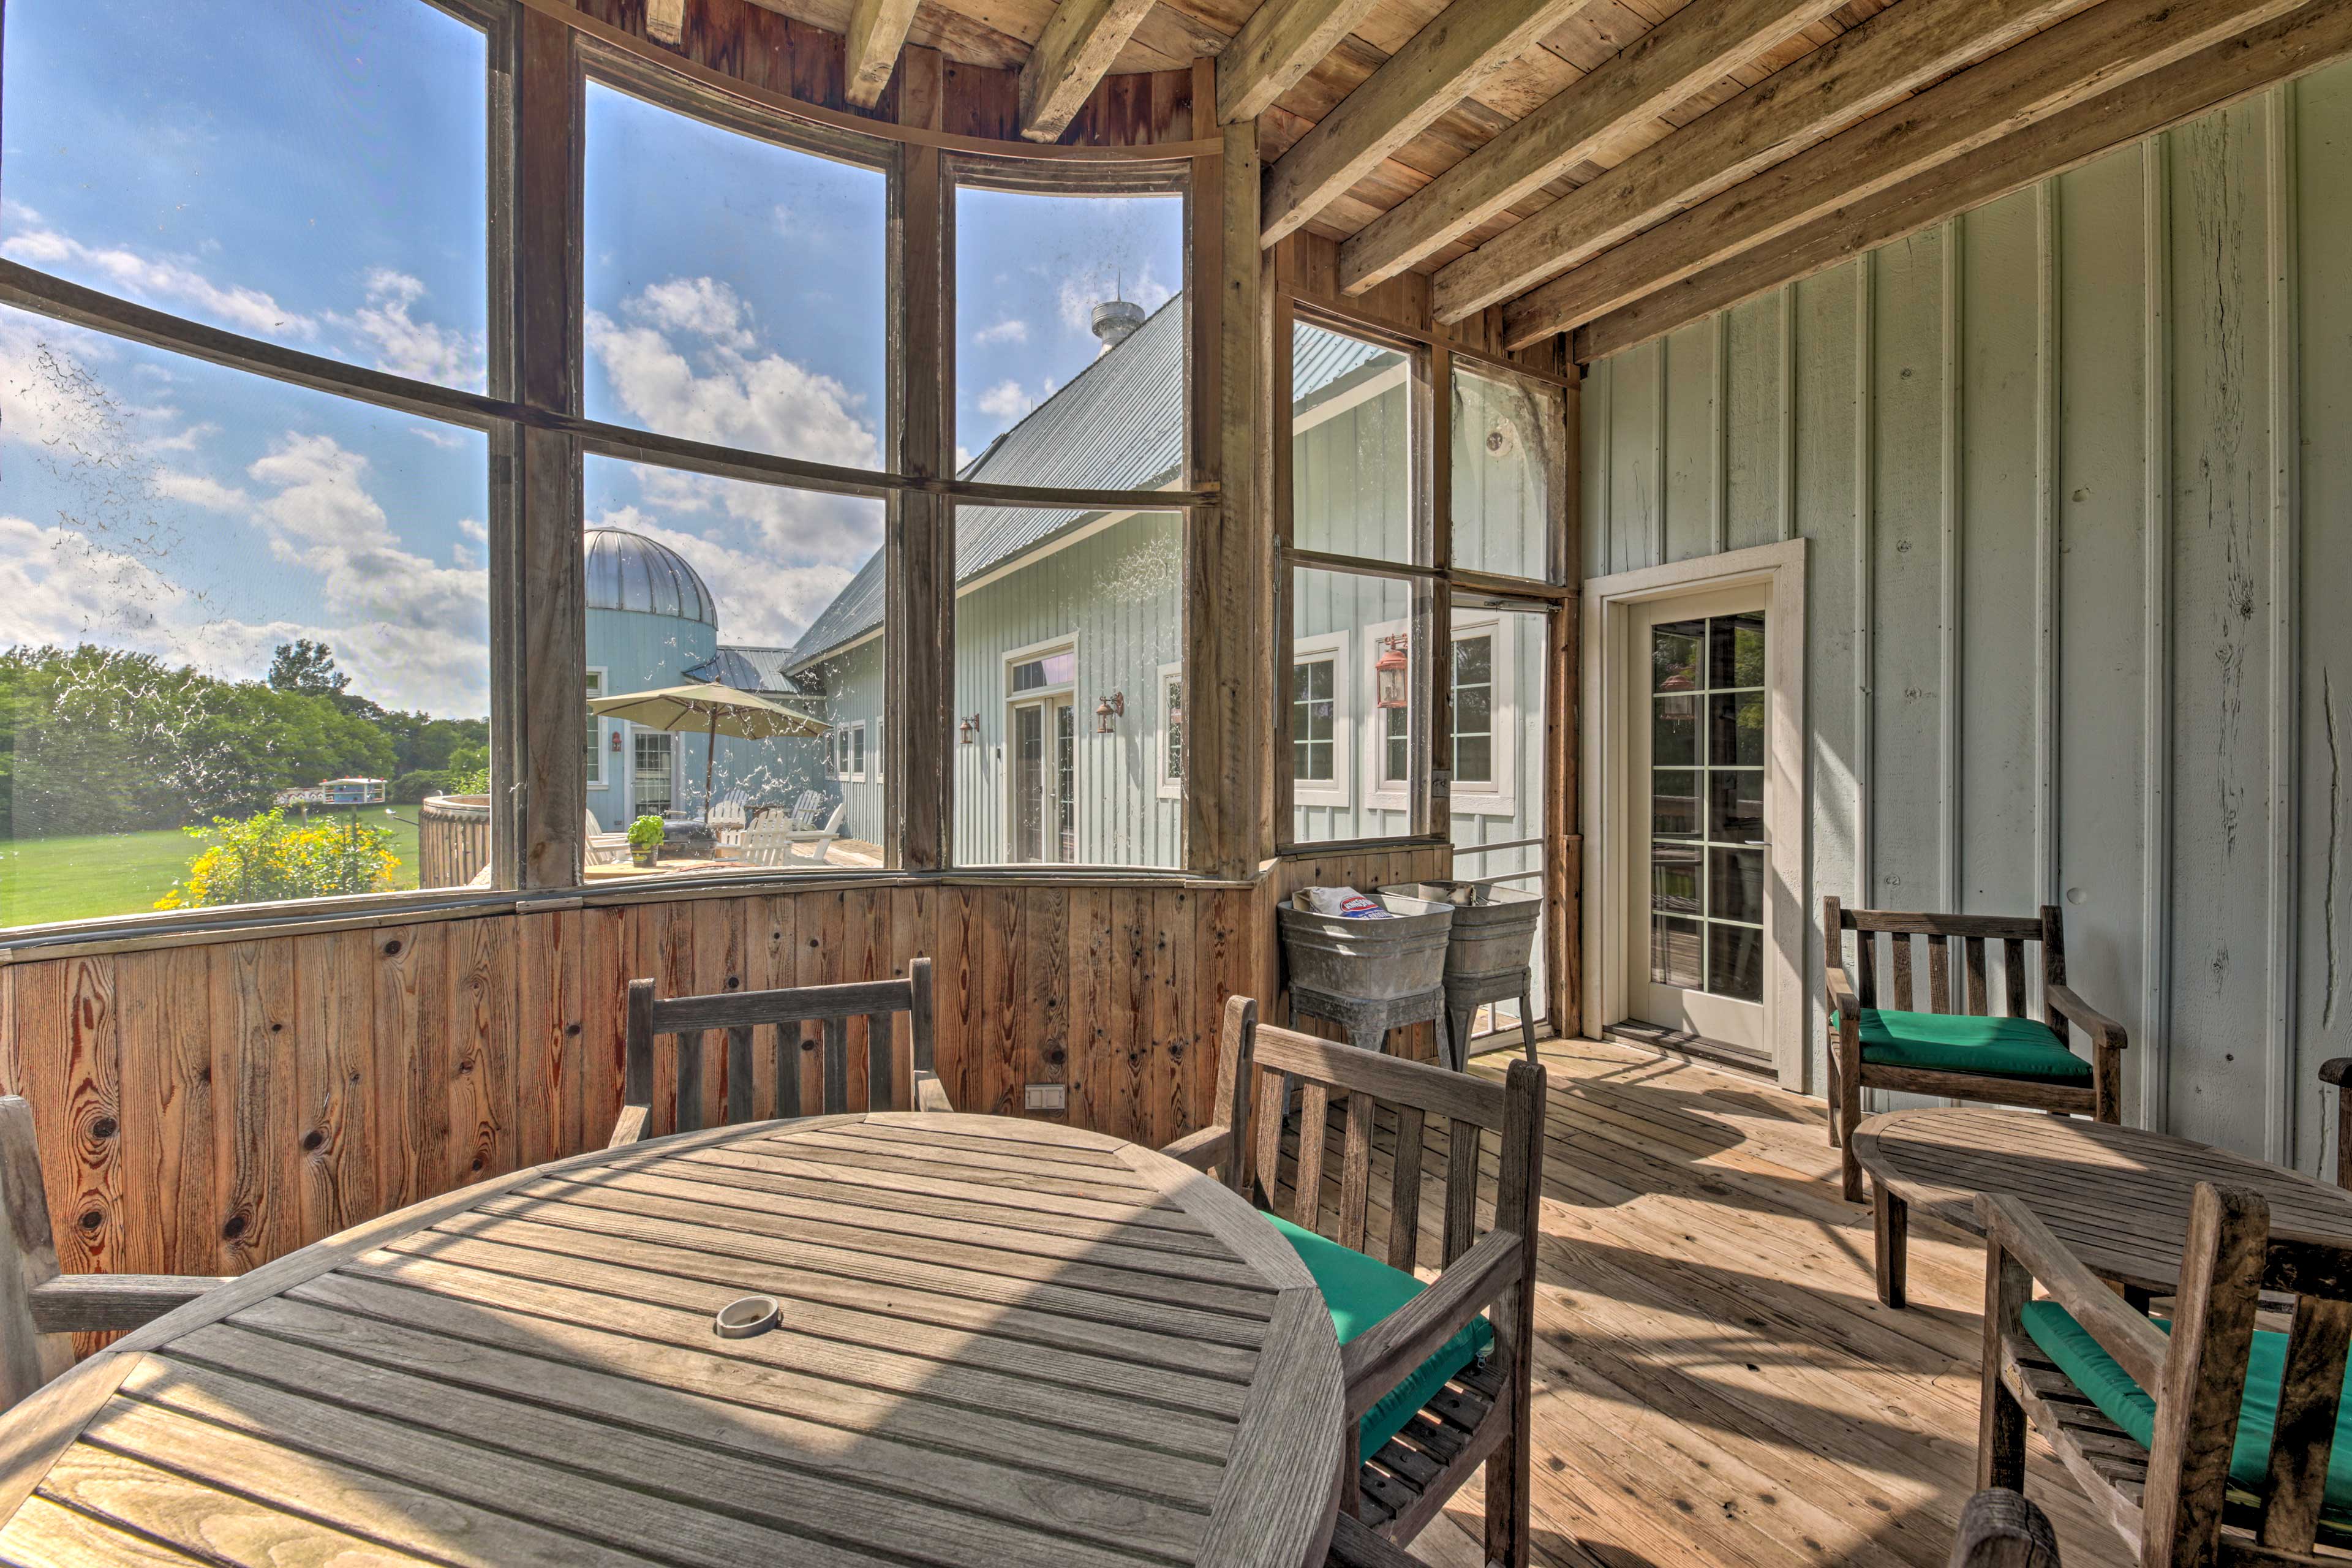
(2118, 1196)
(1002, 1342)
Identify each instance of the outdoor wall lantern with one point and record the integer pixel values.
(1388, 672)
(1116, 703)
(970, 728)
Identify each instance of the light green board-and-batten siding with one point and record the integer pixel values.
(2075, 476)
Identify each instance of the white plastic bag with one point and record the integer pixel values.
(1347, 904)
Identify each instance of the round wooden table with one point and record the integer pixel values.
(1001, 1342)
(2119, 1197)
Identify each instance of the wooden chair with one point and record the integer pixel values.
(740, 1014)
(1480, 1414)
(2008, 1058)
(41, 1309)
(2003, 1529)
(2167, 1472)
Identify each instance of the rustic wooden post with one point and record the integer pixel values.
(1519, 1208)
(28, 1358)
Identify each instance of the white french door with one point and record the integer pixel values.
(1696, 705)
(1045, 798)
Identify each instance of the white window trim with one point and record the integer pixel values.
(1499, 796)
(601, 777)
(1170, 787)
(1338, 790)
(842, 772)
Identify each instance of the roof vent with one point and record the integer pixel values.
(1116, 321)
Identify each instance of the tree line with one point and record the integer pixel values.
(99, 740)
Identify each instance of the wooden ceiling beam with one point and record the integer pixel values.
(1079, 43)
(1280, 43)
(2080, 58)
(878, 30)
(1858, 74)
(1448, 60)
(1681, 57)
(2302, 41)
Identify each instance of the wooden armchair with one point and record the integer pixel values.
(2229, 1461)
(1956, 1047)
(41, 1310)
(740, 1014)
(1424, 1409)
(2003, 1529)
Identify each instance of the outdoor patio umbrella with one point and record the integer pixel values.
(714, 710)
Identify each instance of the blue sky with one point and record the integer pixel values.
(313, 173)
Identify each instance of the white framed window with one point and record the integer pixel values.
(1484, 751)
(595, 739)
(1319, 721)
(1172, 731)
(849, 753)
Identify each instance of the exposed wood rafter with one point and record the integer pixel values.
(2078, 59)
(1893, 54)
(1280, 43)
(1448, 60)
(878, 30)
(1688, 53)
(2305, 41)
(1078, 47)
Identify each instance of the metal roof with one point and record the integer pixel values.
(761, 670)
(629, 571)
(1119, 424)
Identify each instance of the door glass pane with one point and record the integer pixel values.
(1673, 952)
(1674, 731)
(1736, 728)
(1674, 804)
(1736, 652)
(1735, 804)
(652, 793)
(1066, 782)
(1734, 961)
(1673, 656)
(1674, 877)
(1028, 782)
(1735, 885)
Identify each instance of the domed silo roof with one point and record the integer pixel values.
(629, 571)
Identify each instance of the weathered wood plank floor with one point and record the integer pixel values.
(1717, 1382)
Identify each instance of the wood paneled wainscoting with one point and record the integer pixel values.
(211, 1102)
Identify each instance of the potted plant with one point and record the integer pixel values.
(645, 839)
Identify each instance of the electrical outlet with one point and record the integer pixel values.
(1047, 1097)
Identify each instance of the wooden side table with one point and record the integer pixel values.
(2118, 1196)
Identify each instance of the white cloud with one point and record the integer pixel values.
(727, 388)
(396, 342)
(474, 528)
(201, 489)
(161, 279)
(1012, 329)
(1005, 400)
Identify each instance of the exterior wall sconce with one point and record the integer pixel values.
(1389, 671)
(1116, 703)
(970, 728)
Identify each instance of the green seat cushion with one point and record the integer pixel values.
(2070, 1346)
(1953, 1042)
(1360, 1291)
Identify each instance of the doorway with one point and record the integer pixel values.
(1695, 712)
(1045, 781)
(652, 773)
(1694, 861)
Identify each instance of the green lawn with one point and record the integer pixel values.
(101, 874)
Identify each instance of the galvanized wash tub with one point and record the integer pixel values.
(1494, 929)
(1373, 961)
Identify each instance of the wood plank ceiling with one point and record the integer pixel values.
(1589, 165)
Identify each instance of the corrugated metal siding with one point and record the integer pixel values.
(2071, 465)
